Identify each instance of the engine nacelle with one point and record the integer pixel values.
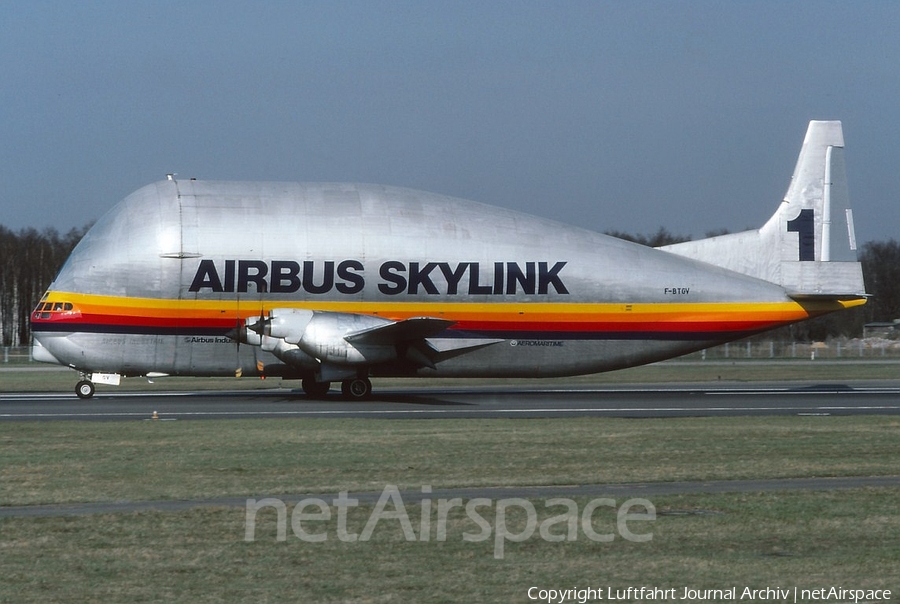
(293, 356)
(321, 335)
(324, 339)
(288, 324)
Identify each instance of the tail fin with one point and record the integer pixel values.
(808, 246)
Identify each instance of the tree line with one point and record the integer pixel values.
(30, 259)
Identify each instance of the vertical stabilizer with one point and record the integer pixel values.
(808, 246)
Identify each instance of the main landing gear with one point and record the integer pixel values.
(355, 389)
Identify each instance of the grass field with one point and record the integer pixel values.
(57, 462)
(848, 538)
(808, 540)
(845, 538)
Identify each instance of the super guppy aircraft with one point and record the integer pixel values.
(338, 282)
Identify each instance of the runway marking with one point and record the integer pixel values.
(499, 411)
(488, 402)
(764, 391)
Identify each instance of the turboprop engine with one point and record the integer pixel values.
(329, 336)
(343, 346)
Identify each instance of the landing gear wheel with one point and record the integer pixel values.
(314, 389)
(84, 389)
(356, 389)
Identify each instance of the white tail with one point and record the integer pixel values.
(808, 246)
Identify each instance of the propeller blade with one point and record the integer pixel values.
(235, 332)
(260, 326)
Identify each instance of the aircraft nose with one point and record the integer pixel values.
(40, 353)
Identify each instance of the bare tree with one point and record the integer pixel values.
(881, 271)
(660, 237)
(29, 260)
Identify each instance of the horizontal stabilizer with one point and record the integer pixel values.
(834, 280)
(447, 348)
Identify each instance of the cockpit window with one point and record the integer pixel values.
(47, 310)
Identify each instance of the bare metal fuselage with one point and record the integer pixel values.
(159, 282)
(342, 281)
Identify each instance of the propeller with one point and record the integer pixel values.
(260, 366)
(239, 334)
(235, 334)
(260, 327)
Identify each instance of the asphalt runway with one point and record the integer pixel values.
(663, 400)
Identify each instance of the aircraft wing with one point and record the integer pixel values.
(415, 328)
(415, 335)
(343, 342)
(447, 348)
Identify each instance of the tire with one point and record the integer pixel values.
(357, 389)
(314, 389)
(84, 389)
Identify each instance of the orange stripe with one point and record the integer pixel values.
(507, 312)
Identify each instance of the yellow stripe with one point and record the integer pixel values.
(552, 311)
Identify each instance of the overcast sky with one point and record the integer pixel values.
(611, 115)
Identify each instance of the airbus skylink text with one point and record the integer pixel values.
(395, 277)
